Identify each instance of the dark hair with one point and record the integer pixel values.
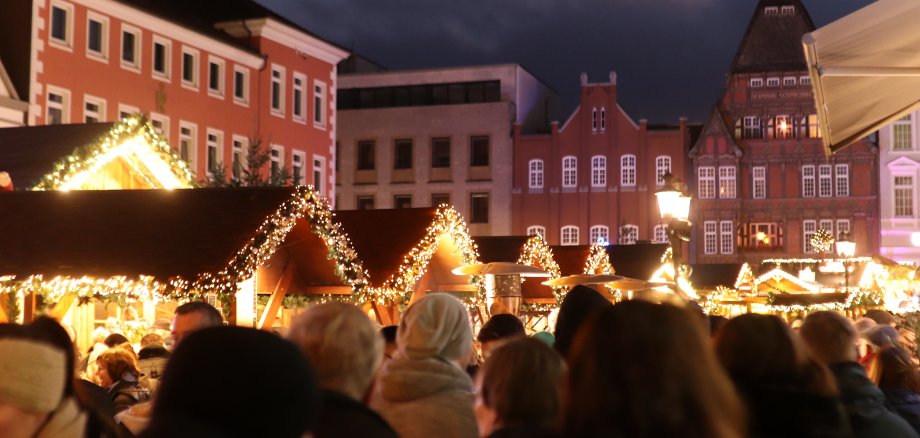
(211, 314)
(644, 369)
(115, 339)
(716, 322)
(897, 371)
(389, 333)
(577, 306)
(501, 326)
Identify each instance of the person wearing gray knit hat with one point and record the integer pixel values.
(32, 381)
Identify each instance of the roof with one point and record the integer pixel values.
(709, 276)
(105, 233)
(500, 248)
(639, 260)
(29, 153)
(773, 43)
(571, 258)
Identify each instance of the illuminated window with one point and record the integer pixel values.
(782, 127)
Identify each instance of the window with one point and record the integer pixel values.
(536, 230)
(160, 122)
(216, 77)
(366, 152)
(827, 225)
(902, 134)
(824, 181)
(808, 127)
(752, 128)
(190, 68)
(570, 235)
(782, 127)
(319, 174)
(187, 143)
(726, 237)
(772, 82)
(365, 203)
(804, 80)
(842, 177)
(300, 97)
(241, 85)
(756, 82)
(628, 170)
(440, 152)
(787, 9)
(808, 181)
(319, 104)
(843, 226)
(479, 208)
(662, 168)
(771, 10)
(161, 57)
(603, 119)
(903, 196)
(438, 199)
(760, 182)
(297, 171)
(403, 153)
(93, 109)
(629, 234)
(661, 233)
(215, 150)
(763, 235)
(809, 227)
(709, 237)
(600, 234)
(127, 110)
(97, 37)
(479, 150)
(130, 47)
(536, 174)
(277, 91)
(594, 119)
(789, 81)
(58, 106)
(61, 29)
(706, 177)
(277, 161)
(239, 145)
(727, 186)
(402, 201)
(598, 171)
(569, 171)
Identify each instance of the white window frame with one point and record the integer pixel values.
(100, 103)
(275, 160)
(726, 237)
(568, 235)
(660, 233)
(603, 119)
(103, 54)
(321, 117)
(138, 48)
(895, 188)
(787, 9)
(218, 145)
(569, 171)
(63, 106)
(628, 170)
(281, 72)
(594, 119)
(196, 68)
(843, 225)
(906, 126)
(809, 228)
(165, 76)
(302, 88)
(827, 225)
(662, 167)
(771, 10)
(125, 110)
(321, 168)
(825, 175)
(706, 180)
(842, 180)
(534, 230)
(239, 144)
(779, 133)
(752, 128)
(710, 242)
(789, 81)
(192, 138)
(244, 100)
(598, 171)
(809, 175)
(773, 82)
(759, 186)
(221, 90)
(299, 157)
(535, 174)
(756, 83)
(728, 182)
(805, 80)
(599, 234)
(67, 43)
(163, 119)
(629, 234)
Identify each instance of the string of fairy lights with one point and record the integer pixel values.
(598, 261)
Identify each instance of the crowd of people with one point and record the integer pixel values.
(633, 369)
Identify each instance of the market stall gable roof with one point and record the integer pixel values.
(500, 248)
(778, 280)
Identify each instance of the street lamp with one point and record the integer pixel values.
(674, 206)
(846, 249)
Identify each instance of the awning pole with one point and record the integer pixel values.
(868, 71)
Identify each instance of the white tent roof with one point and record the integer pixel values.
(865, 70)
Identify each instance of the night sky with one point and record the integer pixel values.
(671, 56)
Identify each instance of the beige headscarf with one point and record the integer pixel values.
(32, 375)
(436, 326)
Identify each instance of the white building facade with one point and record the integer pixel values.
(899, 162)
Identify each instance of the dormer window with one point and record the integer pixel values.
(771, 10)
(756, 82)
(789, 81)
(772, 82)
(788, 10)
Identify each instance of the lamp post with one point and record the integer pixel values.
(846, 249)
(674, 206)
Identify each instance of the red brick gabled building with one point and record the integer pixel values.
(762, 183)
(594, 178)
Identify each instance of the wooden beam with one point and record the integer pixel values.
(63, 306)
(383, 314)
(277, 297)
(329, 290)
(454, 288)
(28, 308)
(3, 316)
(420, 288)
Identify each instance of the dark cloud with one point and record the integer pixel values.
(671, 56)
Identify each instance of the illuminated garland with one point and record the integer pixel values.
(118, 288)
(822, 240)
(598, 261)
(90, 158)
(537, 253)
(746, 279)
(815, 261)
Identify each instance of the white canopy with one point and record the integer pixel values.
(865, 70)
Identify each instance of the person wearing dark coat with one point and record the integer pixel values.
(832, 340)
(577, 306)
(899, 380)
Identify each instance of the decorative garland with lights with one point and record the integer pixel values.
(598, 261)
(537, 253)
(92, 157)
(806, 261)
(746, 279)
(118, 289)
(822, 240)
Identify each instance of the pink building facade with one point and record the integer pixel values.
(594, 178)
(239, 73)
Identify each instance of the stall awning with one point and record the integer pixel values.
(865, 70)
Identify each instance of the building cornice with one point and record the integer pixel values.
(283, 34)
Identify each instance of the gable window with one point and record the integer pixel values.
(603, 119)
(319, 104)
(594, 119)
(97, 36)
(756, 82)
(277, 161)
(190, 68)
(570, 235)
(787, 10)
(130, 47)
(752, 128)
(440, 152)
(57, 106)
(772, 82)
(789, 81)
(319, 174)
(300, 97)
(569, 171)
(93, 109)
(809, 227)
(402, 149)
(187, 143)
(903, 196)
(842, 178)
(535, 179)
(366, 152)
(726, 237)
(706, 178)
(771, 10)
(479, 150)
(277, 90)
(661, 233)
(902, 134)
(61, 29)
(727, 182)
(662, 168)
(297, 171)
(215, 150)
(600, 234)
(709, 237)
(629, 234)
(760, 182)
(598, 171)
(824, 181)
(628, 170)
(804, 80)
(161, 57)
(479, 208)
(536, 230)
(241, 85)
(808, 181)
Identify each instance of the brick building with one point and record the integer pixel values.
(211, 78)
(594, 178)
(763, 185)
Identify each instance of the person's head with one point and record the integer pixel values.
(897, 371)
(716, 322)
(881, 337)
(499, 327)
(342, 344)
(761, 351)
(115, 339)
(882, 317)
(235, 382)
(644, 369)
(51, 332)
(152, 339)
(519, 385)
(99, 335)
(545, 337)
(830, 337)
(389, 341)
(577, 306)
(192, 316)
(33, 378)
(114, 364)
(436, 326)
